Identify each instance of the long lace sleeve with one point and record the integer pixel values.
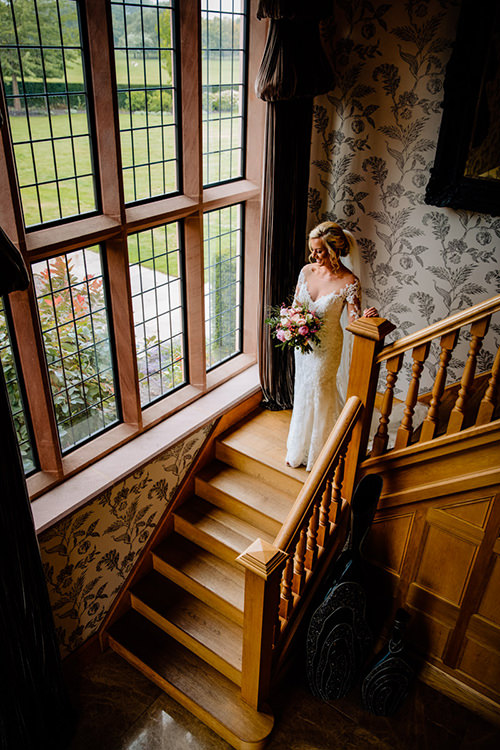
(353, 299)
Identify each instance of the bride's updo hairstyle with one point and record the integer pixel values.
(337, 240)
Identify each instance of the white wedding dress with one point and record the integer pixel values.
(317, 402)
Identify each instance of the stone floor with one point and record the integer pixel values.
(119, 709)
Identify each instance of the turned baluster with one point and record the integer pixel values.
(380, 440)
(489, 401)
(324, 514)
(286, 598)
(405, 430)
(312, 533)
(478, 332)
(298, 563)
(429, 426)
(338, 478)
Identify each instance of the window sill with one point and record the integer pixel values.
(74, 492)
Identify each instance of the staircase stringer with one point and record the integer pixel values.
(164, 526)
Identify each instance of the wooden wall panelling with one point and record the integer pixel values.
(460, 644)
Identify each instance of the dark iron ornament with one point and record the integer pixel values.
(339, 637)
(390, 674)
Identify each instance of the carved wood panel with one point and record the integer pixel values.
(441, 560)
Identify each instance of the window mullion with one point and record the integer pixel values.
(195, 309)
(103, 92)
(190, 70)
(36, 380)
(123, 326)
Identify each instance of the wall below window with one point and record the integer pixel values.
(88, 555)
(374, 141)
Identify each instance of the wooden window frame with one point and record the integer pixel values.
(110, 229)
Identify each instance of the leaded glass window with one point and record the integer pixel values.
(42, 66)
(14, 391)
(156, 278)
(144, 40)
(223, 283)
(223, 29)
(70, 292)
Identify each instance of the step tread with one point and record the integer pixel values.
(212, 630)
(247, 489)
(198, 686)
(220, 578)
(262, 437)
(221, 525)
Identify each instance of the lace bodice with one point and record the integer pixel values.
(317, 403)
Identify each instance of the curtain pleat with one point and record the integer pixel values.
(288, 133)
(294, 69)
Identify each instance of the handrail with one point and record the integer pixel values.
(337, 439)
(471, 315)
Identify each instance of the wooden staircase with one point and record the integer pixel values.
(184, 625)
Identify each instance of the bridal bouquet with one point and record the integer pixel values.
(294, 326)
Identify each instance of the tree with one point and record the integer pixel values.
(23, 31)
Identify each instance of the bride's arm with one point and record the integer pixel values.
(354, 303)
(353, 298)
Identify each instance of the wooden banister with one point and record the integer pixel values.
(339, 437)
(453, 322)
(278, 574)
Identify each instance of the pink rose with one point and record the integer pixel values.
(280, 335)
(303, 330)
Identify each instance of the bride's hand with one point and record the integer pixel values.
(370, 312)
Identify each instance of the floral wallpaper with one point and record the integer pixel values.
(373, 144)
(88, 555)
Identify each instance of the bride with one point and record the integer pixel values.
(326, 286)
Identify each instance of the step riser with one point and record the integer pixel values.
(197, 648)
(198, 590)
(205, 541)
(256, 468)
(184, 700)
(230, 504)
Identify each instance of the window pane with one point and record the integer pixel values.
(223, 289)
(156, 278)
(224, 88)
(15, 394)
(74, 321)
(145, 75)
(42, 69)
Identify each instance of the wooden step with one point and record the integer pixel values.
(261, 504)
(211, 579)
(215, 529)
(206, 632)
(258, 447)
(196, 685)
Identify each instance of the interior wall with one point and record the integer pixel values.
(88, 555)
(373, 144)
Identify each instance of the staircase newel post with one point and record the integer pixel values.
(369, 335)
(264, 565)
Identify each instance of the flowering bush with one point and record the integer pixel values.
(295, 326)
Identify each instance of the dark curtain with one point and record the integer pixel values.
(34, 710)
(294, 69)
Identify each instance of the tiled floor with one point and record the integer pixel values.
(119, 709)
